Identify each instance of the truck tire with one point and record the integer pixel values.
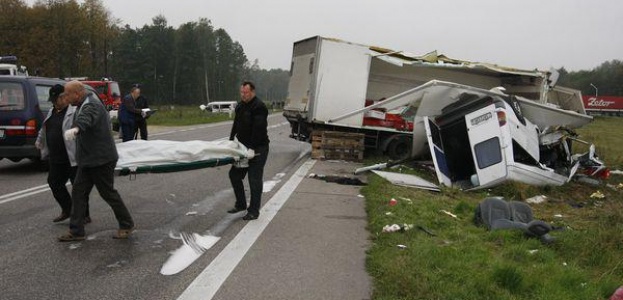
(399, 148)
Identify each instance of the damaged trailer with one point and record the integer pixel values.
(479, 138)
(330, 78)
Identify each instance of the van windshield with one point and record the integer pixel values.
(11, 96)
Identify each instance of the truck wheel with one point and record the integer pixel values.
(399, 148)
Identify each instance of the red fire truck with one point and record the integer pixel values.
(603, 105)
(107, 90)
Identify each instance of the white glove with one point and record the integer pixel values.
(38, 145)
(143, 113)
(250, 153)
(70, 134)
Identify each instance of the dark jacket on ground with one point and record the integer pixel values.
(95, 145)
(250, 124)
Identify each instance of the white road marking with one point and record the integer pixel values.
(212, 277)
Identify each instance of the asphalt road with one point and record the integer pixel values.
(33, 265)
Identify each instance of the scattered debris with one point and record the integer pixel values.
(402, 246)
(389, 213)
(537, 199)
(564, 264)
(616, 172)
(407, 180)
(598, 194)
(409, 201)
(391, 228)
(585, 179)
(191, 213)
(338, 179)
(557, 216)
(449, 213)
(361, 196)
(420, 227)
(396, 227)
(533, 251)
(392, 202)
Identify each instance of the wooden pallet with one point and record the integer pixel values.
(335, 145)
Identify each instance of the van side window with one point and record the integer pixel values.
(11, 96)
(43, 92)
(488, 153)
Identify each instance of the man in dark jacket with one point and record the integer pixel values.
(141, 119)
(251, 128)
(128, 112)
(96, 155)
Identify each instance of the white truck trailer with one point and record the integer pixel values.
(330, 78)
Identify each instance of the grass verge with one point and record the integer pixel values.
(463, 261)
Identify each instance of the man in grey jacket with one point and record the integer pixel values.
(96, 155)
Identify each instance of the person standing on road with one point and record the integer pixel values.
(61, 154)
(251, 129)
(128, 112)
(96, 155)
(141, 119)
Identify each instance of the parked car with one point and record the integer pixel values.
(23, 106)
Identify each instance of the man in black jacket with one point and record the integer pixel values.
(141, 119)
(251, 128)
(96, 155)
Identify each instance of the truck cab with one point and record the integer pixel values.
(479, 142)
(8, 66)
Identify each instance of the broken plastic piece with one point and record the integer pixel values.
(448, 213)
(598, 195)
(537, 199)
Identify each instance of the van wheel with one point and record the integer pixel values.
(399, 148)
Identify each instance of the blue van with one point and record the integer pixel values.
(23, 105)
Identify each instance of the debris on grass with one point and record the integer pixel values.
(396, 227)
(537, 199)
(449, 213)
(598, 194)
(533, 251)
(557, 216)
(402, 246)
(392, 202)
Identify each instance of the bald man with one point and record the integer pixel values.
(96, 155)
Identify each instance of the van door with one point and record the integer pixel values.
(433, 135)
(485, 138)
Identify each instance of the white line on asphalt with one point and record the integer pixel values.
(23, 191)
(212, 277)
(25, 195)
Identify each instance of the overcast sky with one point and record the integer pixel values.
(527, 34)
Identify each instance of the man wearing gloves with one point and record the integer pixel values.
(96, 155)
(251, 129)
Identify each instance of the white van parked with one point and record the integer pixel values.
(219, 106)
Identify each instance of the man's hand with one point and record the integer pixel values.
(250, 153)
(70, 134)
(143, 113)
(38, 145)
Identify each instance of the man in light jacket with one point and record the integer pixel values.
(60, 154)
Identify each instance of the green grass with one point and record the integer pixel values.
(463, 261)
(185, 115)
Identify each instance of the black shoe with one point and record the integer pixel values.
(61, 217)
(249, 216)
(235, 210)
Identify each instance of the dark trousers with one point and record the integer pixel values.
(256, 181)
(103, 179)
(58, 175)
(127, 131)
(140, 127)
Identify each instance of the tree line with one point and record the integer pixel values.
(188, 65)
(604, 80)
